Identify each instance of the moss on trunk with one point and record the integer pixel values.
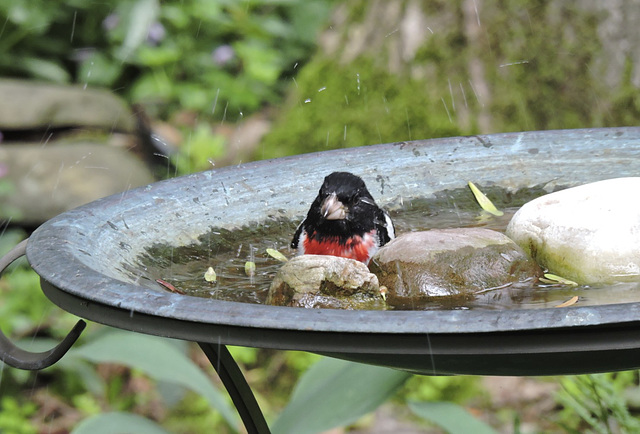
(402, 70)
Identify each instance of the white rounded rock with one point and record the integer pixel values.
(588, 234)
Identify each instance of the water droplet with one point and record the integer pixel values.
(215, 101)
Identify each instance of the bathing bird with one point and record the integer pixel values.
(343, 220)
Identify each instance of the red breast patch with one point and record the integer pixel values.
(356, 247)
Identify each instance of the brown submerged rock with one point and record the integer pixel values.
(450, 263)
(319, 281)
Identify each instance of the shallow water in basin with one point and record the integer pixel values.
(227, 252)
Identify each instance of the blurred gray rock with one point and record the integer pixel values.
(64, 146)
(318, 281)
(588, 234)
(449, 263)
(41, 182)
(31, 105)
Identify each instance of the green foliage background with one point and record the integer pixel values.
(164, 55)
(223, 60)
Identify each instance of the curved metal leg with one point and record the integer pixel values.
(237, 386)
(19, 358)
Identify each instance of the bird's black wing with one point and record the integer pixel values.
(384, 226)
(296, 236)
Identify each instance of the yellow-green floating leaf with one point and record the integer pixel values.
(558, 279)
(383, 292)
(210, 275)
(250, 268)
(277, 255)
(484, 201)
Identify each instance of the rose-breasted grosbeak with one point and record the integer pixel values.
(344, 220)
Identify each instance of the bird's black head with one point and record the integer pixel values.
(343, 206)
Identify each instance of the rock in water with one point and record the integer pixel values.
(588, 234)
(450, 263)
(320, 281)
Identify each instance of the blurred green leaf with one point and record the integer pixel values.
(37, 18)
(244, 355)
(140, 18)
(9, 238)
(99, 70)
(335, 393)
(22, 303)
(159, 56)
(261, 62)
(45, 69)
(451, 417)
(192, 97)
(307, 18)
(118, 423)
(14, 416)
(200, 150)
(7, 187)
(597, 400)
(152, 86)
(157, 358)
(176, 15)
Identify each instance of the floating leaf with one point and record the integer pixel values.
(169, 286)
(557, 279)
(250, 268)
(210, 275)
(277, 255)
(484, 201)
(573, 300)
(383, 292)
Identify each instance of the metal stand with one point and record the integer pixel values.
(218, 355)
(19, 358)
(237, 386)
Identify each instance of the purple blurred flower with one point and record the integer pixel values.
(223, 55)
(156, 33)
(3, 170)
(82, 54)
(110, 22)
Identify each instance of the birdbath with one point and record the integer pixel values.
(87, 258)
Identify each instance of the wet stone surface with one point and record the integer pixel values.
(458, 262)
(319, 281)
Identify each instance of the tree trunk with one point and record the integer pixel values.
(427, 69)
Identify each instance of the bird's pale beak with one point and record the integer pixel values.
(333, 209)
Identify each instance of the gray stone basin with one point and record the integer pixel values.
(78, 253)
